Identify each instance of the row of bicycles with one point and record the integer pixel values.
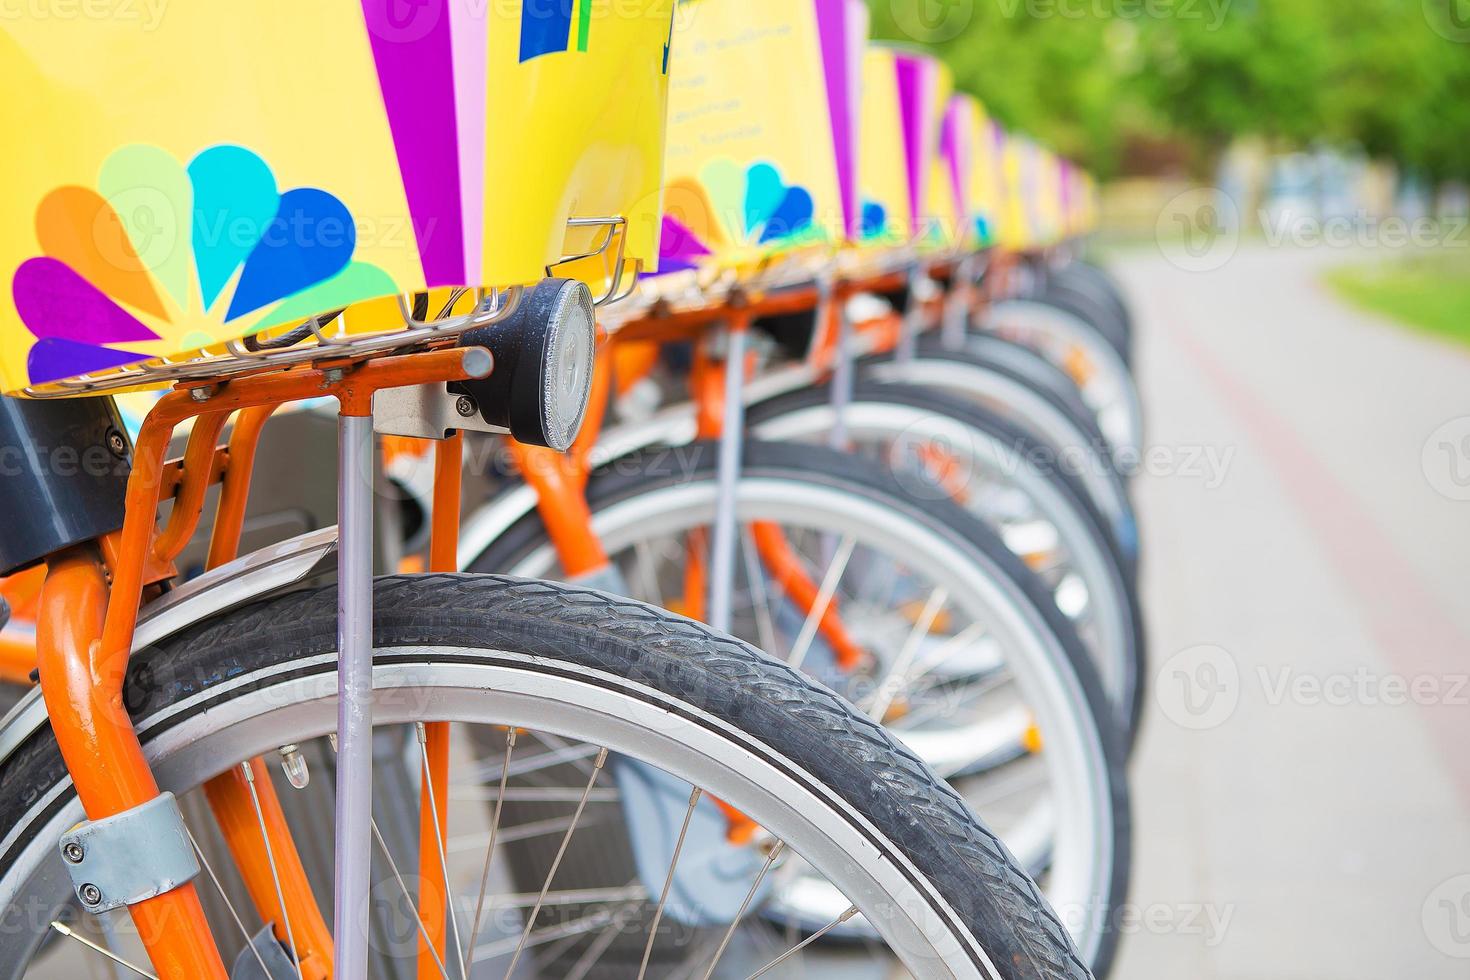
(554, 490)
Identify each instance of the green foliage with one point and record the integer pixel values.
(1430, 292)
(1085, 76)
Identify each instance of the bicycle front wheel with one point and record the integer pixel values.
(578, 680)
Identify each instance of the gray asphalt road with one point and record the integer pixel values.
(1303, 785)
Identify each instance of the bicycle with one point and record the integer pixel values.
(148, 685)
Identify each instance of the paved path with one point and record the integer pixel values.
(1303, 787)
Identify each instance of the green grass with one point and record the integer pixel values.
(1428, 291)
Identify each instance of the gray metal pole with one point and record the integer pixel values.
(727, 477)
(355, 695)
(908, 338)
(957, 305)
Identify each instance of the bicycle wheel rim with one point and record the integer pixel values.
(188, 742)
(1113, 396)
(1079, 742)
(872, 420)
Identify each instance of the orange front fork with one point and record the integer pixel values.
(82, 683)
(434, 821)
(85, 632)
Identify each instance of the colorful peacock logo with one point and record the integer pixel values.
(159, 251)
(731, 209)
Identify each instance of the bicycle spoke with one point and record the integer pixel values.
(577, 755)
(581, 896)
(573, 929)
(536, 794)
(248, 771)
(804, 943)
(510, 745)
(535, 763)
(744, 906)
(889, 687)
(1007, 786)
(965, 637)
(648, 572)
(408, 897)
(510, 835)
(423, 740)
(556, 863)
(105, 952)
(764, 621)
(663, 899)
(600, 945)
(228, 904)
(830, 580)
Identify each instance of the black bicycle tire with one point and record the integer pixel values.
(550, 624)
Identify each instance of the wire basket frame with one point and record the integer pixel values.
(314, 339)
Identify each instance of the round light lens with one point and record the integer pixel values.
(570, 348)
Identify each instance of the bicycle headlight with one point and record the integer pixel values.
(543, 365)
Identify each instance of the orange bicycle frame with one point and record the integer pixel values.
(89, 608)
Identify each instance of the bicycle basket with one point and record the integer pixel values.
(747, 182)
(904, 95)
(219, 170)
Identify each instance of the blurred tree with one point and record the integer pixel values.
(1085, 76)
(1055, 77)
(1260, 69)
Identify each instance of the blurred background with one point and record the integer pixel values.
(1285, 199)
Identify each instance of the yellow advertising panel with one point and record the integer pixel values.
(883, 167)
(904, 98)
(968, 147)
(947, 217)
(1049, 194)
(761, 154)
(1022, 228)
(208, 170)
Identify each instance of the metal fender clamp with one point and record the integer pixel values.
(131, 857)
